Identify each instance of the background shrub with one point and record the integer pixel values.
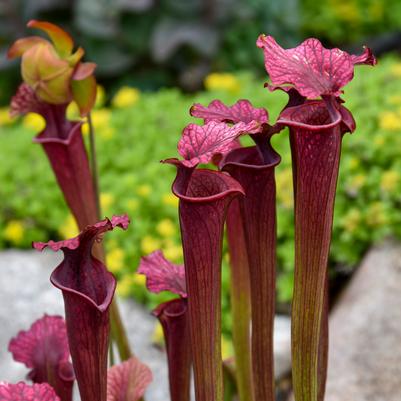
(139, 129)
(154, 43)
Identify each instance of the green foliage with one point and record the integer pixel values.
(132, 139)
(152, 44)
(155, 43)
(338, 21)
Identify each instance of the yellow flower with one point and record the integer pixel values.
(5, 118)
(124, 286)
(14, 231)
(170, 200)
(222, 81)
(144, 190)
(166, 228)
(357, 181)
(149, 244)
(106, 132)
(173, 252)
(379, 140)
(348, 12)
(287, 199)
(140, 279)
(85, 129)
(132, 204)
(158, 336)
(351, 220)
(284, 188)
(101, 118)
(394, 99)
(106, 200)
(100, 96)
(354, 162)
(390, 121)
(126, 97)
(226, 348)
(389, 180)
(376, 215)
(69, 229)
(115, 260)
(396, 69)
(34, 122)
(73, 111)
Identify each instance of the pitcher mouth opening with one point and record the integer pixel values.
(203, 185)
(99, 301)
(311, 115)
(73, 128)
(175, 308)
(251, 157)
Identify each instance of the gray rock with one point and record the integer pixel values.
(365, 332)
(282, 346)
(26, 294)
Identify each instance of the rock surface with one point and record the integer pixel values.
(26, 294)
(365, 332)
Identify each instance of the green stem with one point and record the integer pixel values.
(118, 333)
(111, 355)
(240, 303)
(95, 173)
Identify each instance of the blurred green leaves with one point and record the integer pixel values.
(143, 128)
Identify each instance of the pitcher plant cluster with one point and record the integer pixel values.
(224, 189)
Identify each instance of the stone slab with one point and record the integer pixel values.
(26, 294)
(365, 332)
